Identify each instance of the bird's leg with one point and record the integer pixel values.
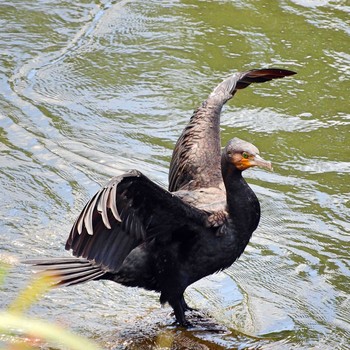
(177, 303)
(185, 305)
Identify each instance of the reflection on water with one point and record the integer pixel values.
(89, 90)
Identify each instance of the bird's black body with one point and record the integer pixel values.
(138, 234)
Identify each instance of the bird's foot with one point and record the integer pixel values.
(184, 324)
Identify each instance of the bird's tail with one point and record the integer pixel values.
(241, 80)
(67, 271)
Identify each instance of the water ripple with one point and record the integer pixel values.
(90, 90)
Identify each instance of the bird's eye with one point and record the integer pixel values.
(245, 155)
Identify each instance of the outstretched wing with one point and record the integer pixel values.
(195, 161)
(129, 210)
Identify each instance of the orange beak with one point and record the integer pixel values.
(255, 161)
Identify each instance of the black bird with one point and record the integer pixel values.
(138, 234)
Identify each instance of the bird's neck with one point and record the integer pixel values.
(242, 204)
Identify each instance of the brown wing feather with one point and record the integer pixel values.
(195, 161)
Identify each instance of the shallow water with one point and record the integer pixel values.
(91, 89)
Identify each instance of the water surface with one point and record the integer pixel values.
(91, 89)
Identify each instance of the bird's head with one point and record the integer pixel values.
(244, 155)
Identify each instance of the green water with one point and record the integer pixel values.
(89, 90)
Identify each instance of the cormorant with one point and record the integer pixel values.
(138, 234)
